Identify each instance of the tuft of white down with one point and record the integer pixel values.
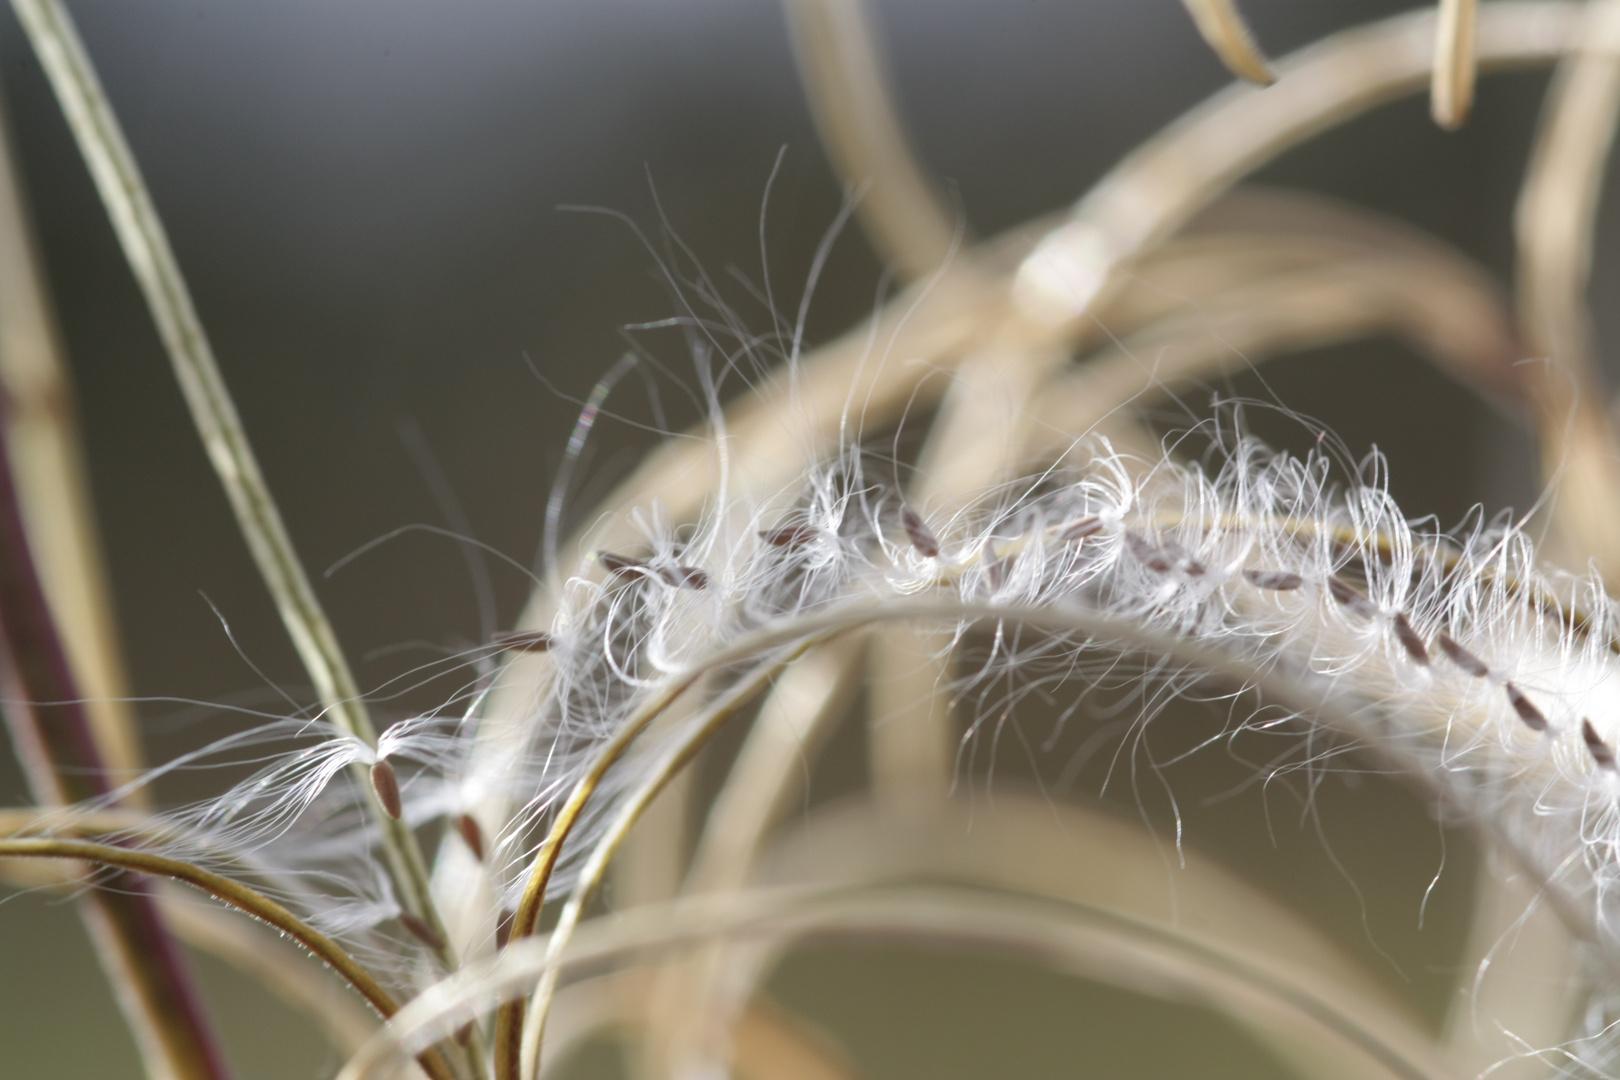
(1186, 560)
(1256, 572)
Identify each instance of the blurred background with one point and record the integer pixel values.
(369, 200)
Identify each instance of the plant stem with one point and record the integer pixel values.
(52, 734)
(140, 232)
(47, 466)
(625, 817)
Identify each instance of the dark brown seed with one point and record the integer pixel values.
(421, 931)
(1275, 580)
(385, 782)
(464, 1034)
(1350, 597)
(917, 532)
(522, 640)
(621, 564)
(685, 577)
(1532, 716)
(1154, 558)
(1410, 641)
(1079, 530)
(472, 834)
(790, 536)
(503, 928)
(1602, 753)
(1460, 656)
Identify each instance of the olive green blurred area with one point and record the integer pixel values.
(413, 224)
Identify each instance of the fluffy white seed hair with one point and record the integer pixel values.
(1452, 657)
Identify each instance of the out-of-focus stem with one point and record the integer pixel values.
(1451, 93)
(51, 732)
(146, 246)
(591, 873)
(1554, 223)
(1191, 162)
(48, 469)
(1224, 30)
(842, 74)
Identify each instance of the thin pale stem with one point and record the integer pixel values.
(509, 1021)
(841, 69)
(1554, 223)
(793, 723)
(48, 470)
(146, 246)
(1154, 190)
(1080, 939)
(1451, 91)
(1222, 27)
(591, 873)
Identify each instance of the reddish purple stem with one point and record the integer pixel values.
(51, 732)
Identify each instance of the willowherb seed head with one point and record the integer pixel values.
(1239, 573)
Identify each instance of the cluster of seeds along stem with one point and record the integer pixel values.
(1173, 552)
(1478, 682)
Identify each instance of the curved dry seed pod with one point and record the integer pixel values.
(1451, 94)
(1225, 31)
(1164, 182)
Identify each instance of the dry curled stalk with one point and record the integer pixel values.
(1223, 29)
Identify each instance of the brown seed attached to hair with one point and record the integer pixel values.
(421, 930)
(1409, 639)
(467, 826)
(1460, 656)
(621, 564)
(503, 927)
(463, 1034)
(1149, 554)
(1351, 597)
(385, 782)
(1602, 752)
(790, 536)
(1080, 529)
(685, 577)
(1275, 580)
(921, 538)
(522, 640)
(1532, 716)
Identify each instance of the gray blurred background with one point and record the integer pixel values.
(365, 197)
